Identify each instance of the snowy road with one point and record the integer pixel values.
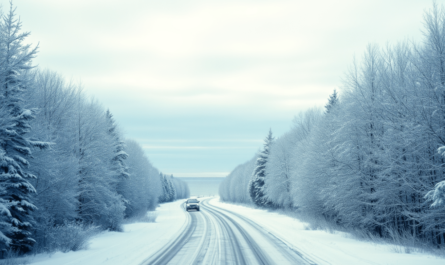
(219, 236)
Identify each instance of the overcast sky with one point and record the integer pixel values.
(199, 83)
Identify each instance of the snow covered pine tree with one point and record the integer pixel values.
(15, 199)
(118, 161)
(256, 184)
(164, 195)
(332, 101)
(437, 196)
(172, 191)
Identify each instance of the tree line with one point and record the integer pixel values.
(173, 189)
(65, 168)
(371, 160)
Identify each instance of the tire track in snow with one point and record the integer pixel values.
(216, 236)
(260, 255)
(278, 242)
(171, 249)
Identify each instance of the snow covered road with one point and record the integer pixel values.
(218, 236)
(223, 233)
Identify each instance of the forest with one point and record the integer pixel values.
(66, 170)
(372, 160)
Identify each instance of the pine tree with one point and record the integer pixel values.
(167, 189)
(333, 100)
(119, 156)
(172, 191)
(256, 185)
(15, 147)
(164, 193)
(437, 196)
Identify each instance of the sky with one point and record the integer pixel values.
(199, 83)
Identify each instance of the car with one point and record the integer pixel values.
(192, 204)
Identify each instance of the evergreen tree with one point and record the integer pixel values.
(256, 190)
(118, 161)
(167, 189)
(333, 100)
(172, 191)
(15, 147)
(437, 195)
(164, 193)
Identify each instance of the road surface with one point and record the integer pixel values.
(219, 236)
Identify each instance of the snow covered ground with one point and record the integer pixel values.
(133, 246)
(140, 241)
(327, 248)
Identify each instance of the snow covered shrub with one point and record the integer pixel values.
(70, 236)
(112, 216)
(73, 236)
(13, 258)
(405, 241)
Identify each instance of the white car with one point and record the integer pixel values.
(192, 204)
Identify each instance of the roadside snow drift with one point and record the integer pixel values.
(134, 245)
(327, 248)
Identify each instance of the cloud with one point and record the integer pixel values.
(206, 71)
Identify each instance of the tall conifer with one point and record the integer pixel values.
(119, 155)
(15, 147)
(256, 185)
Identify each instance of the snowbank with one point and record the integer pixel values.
(134, 245)
(328, 248)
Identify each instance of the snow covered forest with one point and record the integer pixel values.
(372, 159)
(66, 170)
